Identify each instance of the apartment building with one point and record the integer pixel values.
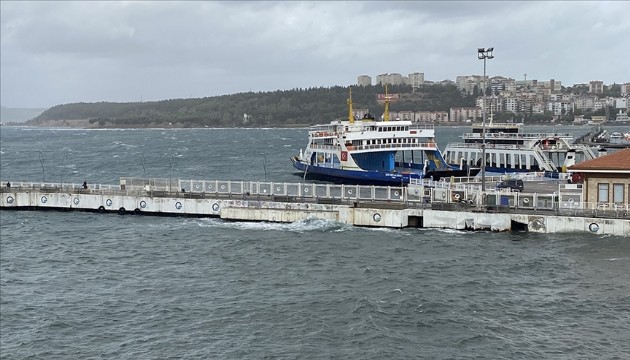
(493, 104)
(596, 87)
(389, 79)
(416, 79)
(559, 107)
(431, 116)
(585, 102)
(460, 114)
(420, 116)
(512, 104)
(364, 80)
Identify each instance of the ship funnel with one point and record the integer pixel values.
(569, 160)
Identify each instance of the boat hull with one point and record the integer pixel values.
(367, 177)
(347, 176)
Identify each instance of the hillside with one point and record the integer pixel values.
(282, 108)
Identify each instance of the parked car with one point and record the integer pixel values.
(514, 184)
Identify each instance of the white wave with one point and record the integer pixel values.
(617, 259)
(299, 226)
(446, 231)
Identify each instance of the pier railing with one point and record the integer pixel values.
(437, 195)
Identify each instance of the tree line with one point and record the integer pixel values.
(281, 108)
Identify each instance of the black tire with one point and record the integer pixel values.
(101, 209)
(122, 211)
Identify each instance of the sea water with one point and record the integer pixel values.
(77, 285)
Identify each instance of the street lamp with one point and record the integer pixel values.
(170, 178)
(143, 168)
(41, 161)
(64, 158)
(264, 165)
(483, 54)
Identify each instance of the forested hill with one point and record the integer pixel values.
(283, 108)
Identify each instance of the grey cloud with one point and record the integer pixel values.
(59, 52)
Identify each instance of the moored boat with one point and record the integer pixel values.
(508, 149)
(367, 151)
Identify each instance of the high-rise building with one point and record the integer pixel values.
(364, 80)
(596, 87)
(416, 79)
(389, 79)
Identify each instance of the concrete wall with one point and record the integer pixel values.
(254, 210)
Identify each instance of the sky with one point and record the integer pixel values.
(56, 53)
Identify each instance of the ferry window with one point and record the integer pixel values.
(602, 193)
(618, 194)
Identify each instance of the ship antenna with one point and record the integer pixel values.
(350, 112)
(386, 115)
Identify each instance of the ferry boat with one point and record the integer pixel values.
(367, 151)
(509, 149)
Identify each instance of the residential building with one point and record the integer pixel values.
(596, 87)
(364, 80)
(512, 104)
(389, 79)
(416, 79)
(461, 114)
(431, 116)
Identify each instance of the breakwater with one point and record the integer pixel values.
(423, 205)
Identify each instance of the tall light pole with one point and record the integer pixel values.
(264, 165)
(483, 54)
(143, 168)
(41, 161)
(64, 158)
(170, 178)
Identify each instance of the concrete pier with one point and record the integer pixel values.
(452, 206)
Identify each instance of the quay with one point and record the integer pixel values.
(423, 204)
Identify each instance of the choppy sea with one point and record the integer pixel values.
(79, 285)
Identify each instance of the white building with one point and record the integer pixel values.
(389, 79)
(465, 113)
(364, 80)
(416, 79)
(511, 104)
(596, 87)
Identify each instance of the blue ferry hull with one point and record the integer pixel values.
(371, 177)
(354, 176)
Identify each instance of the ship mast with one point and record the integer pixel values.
(350, 112)
(386, 115)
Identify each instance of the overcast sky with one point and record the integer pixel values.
(63, 52)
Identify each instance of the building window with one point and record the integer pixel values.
(602, 193)
(618, 195)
